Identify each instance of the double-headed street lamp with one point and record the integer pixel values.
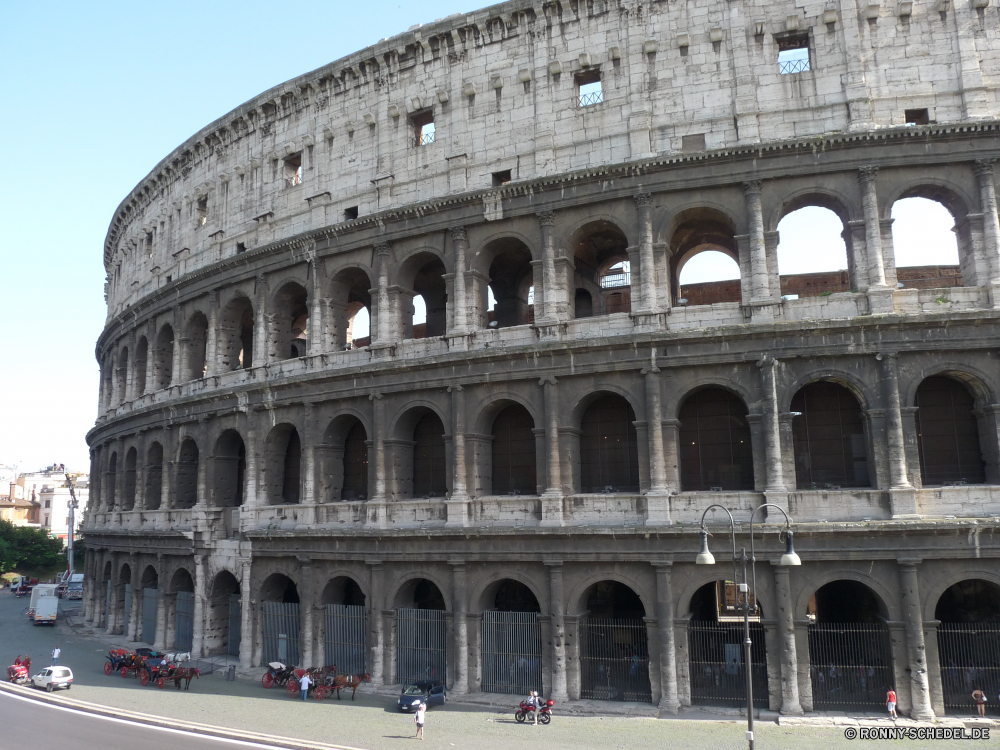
(744, 587)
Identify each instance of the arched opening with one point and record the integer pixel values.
(711, 279)
(830, 440)
(279, 597)
(164, 362)
(717, 657)
(510, 277)
(128, 486)
(345, 624)
(123, 600)
(153, 491)
(283, 465)
(236, 335)
(139, 368)
(291, 316)
(715, 450)
(969, 644)
(614, 652)
(222, 626)
(150, 599)
(195, 342)
(423, 276)
(123, 375)
(849, 648)
(609, 454)
(229, 468)
(343, 456)
(948, 433)
(429, 465)
(601, 268)
(351, 306)
(186, 495)
(182, 587)
(112, 480)
(812, 251)
(514, 471)
(107, 382)
(422, 635)
(928, 251)
(511, 638)
(584, 303)
(355, 464)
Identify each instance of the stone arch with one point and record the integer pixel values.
(832, 200)
(831, 440)
(342, 587)
(289, 331)
(181, 580)
(122, 375)
(224, 585)
(420, 272)
(486, 409)
(714, 438)
(576, 602)
(886, 598)
(608, 443)
(932, 596)
(112, 479)
(282, 465)
(188, 462)
(672, 406)
(982, 386)
(402, 594)
(343, 458)
(139, 366)
(513, 464)
(485, 590)
(150, 579)
(163, 362)
(947, 193)
(279, 586)
(229, 470)
(694, 231)
(153, 472)
(195, 346)
(950, 433)
(706, 574)
(128, 484)
(848, 380)
(599, 248)
(349, 294)
(236, 334)
(504, 266)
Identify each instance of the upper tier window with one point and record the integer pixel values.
(793, 54)
(589, 88)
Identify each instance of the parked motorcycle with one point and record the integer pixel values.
(544, 712)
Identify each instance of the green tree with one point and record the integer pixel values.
(28, 550)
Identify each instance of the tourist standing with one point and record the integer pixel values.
(55, 655)
(890, 703)
(980, 698)
(418, 719)
(304, 684)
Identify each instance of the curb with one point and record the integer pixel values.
(159, 721)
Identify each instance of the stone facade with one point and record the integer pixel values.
(249, 444)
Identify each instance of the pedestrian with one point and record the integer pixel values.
(17, 661)
(26, 661)
(980, 698)
(304, 684)
(418, 719)
(535, 703)
(55, 655)
(890, 703)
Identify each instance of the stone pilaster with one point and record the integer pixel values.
(658, 496)
(790, 703)
(920, 697)
(553, 495)
(669, 701)
(557, 606)
(461, 646)
(458, 501)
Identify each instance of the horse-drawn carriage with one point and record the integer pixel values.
(117, 657)
(160, 671)
(277, 674)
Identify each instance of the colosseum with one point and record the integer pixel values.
(399, 374)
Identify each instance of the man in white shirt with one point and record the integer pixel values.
(55, 655)
(418, 719)
(304, 684)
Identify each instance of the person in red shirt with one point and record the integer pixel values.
(980, 698)
(890, 703)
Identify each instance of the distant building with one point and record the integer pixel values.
(42, 498)
(53, 507)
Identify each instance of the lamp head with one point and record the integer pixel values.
(789, 558)
(704, 557)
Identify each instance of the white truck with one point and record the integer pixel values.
(41, 593)
(46, 611)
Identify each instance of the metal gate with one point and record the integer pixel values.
(149, 601)
(281, 632)
(235, 624)
(716, 664)
(421, 645)
(107, 605)
(614, 660)
(970, 657)
(128, 608)
(184, 621)
(344, 638)
(850, 665)
(512, 652)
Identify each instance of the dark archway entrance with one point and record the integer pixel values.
(280, 619)
(182, 587)
(716, 454)
(969, 644)
(609, 454)
(948, 433)
(849, 648)
(345, 625)
(421, 632)
(511, 639)
(150, 599)
(831, 448)
(614, 648)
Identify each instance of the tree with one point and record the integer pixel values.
(24, 549)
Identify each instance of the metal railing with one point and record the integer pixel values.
(969, 655)
(344, 638)
(184, 622)
(793, 66)
(589, 100)
(718, 676)
(425, 139)
(421, 645)
(614, 660)
(850, 665)
(512, 652)
(280, 632)
(616, 278)
(235, 625)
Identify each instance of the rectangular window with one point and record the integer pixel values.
(793, 54)
(48, 503)
(292, 170)
(202, 210)
(589, 88)
(916, 116)
(350, 214)
(501, 178)
(423, 127)
(240, 248)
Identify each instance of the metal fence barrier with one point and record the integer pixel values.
(969, 655)
(512, 652)
(127, 613)
(235, 625)
(184, 621)
(716, 663)
(614, 660)
(280, 632)
(850, 665)
(421, 645)
(344, 638)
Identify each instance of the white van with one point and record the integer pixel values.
(40, 591)
(51, 678)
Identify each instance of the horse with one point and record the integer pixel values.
(184, 673)
(350, 681)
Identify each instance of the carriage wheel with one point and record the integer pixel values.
(108, 668)
(124, 671)
(267, 680)
(160, 683)
(144, 677)
(291, 688)
(320, 693)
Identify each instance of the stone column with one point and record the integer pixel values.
(647, 266)
(658, 496)
(247, 635)
(198, 638)
(376, 515)
(558, 614)
(461, 685)
(772, 433)
(790, 703)
(903, 497)
(132, 628)
(458, 503)
(669, 701)
(112, 615)
(160, 643)
(991, 226)
(920, 696)
(460, 246)
(308, 496)
(552, 497)
(553, 298)
(383, 314)
(935, 682)
(315, 343)
(306, 614)
(212, 342)
(88, 587)
(873, 231)
(376, 642)
(177, 361)
(760, 280)
(260, 329)
(150, 361)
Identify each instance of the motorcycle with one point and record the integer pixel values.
(544, 712)
(276, 674)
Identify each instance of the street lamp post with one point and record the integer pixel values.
(745, 587)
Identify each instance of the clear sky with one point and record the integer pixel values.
(94, 95)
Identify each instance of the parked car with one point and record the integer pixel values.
(51, 678)
(431, 693)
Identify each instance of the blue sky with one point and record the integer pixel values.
(95, 94)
